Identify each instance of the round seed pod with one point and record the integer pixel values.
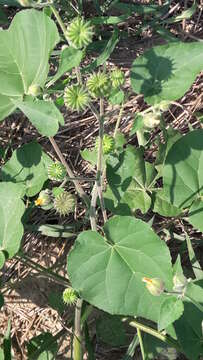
(76, 97)
(56, 171)
(64, 203)
(117, 78)
(79, 33)
(69, 296)
(99, 85)
(108, 144)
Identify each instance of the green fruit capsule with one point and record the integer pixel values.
(117, 78)
(69, 296)
(64, 203)
(76, 97)
(108, 144)
(99, 85)
(56, 171)
(79, 33)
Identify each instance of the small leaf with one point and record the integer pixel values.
(171, 309)
(116, 97)
(89, 155)
(69, 58)
(137, 124)
(44, 115)
(111, 44)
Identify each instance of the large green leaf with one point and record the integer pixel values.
(11, 212)
(44, 115)
(183, 174)
(25, 49)
(183, 171)
(108, 271)
(189, 331)
(167, 72)
(26, 166)
(131, 179)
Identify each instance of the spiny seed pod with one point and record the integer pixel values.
(180, 283)
(34, 90)
(64, 203)
(107, 144)
(69, 296)
(56, 171)
(76, 97)
(151, 120)
(98, 85)
(44, 198)
(117, 78)
(155, 286)
(79, 33)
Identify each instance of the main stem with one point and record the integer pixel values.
(78, 187)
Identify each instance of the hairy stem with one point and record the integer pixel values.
(77, 346)
(60, 21)
(118, 120)
(156, 334)
(139, 334)
(78, 187)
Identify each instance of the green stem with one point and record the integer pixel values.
(139, 334)
(77, 346)
(118, 120)
(155, 333)
(60, 21)
(78, 187)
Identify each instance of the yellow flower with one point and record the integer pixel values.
(155, 286)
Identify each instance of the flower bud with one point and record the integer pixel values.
(69, 296)
(151, 120)
(25, 3)
(34, 90)
(56, 171)
(180, 283)
(44, 198)
(154, 285)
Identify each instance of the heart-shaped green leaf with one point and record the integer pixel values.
(183, 175)
(11, 211)
(167, 72)
(108, 272)
(25, 49)
(26, 166)
(44, 115)
(183, 170)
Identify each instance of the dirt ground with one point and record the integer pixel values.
(27, 295)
